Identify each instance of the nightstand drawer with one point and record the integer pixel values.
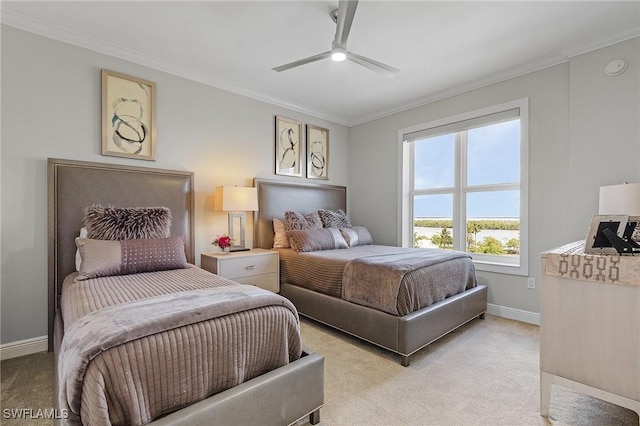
(257, 267)
(248, 266)
(265, 281)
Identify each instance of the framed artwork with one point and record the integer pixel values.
(596, 241)
(128, 116)
(317, 152)
(288, 147)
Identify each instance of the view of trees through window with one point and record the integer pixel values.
(438, 234)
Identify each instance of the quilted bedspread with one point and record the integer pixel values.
(433, 275)
(139, 346)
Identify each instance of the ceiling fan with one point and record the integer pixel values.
(343, 17)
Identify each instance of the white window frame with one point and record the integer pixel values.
(405, 182)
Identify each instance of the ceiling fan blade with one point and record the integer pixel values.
(304, 61)
(346, 13)
(376, 66)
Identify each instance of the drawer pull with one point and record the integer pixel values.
(250, 267)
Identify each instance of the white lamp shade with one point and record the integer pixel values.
(621, 199)
(236, 199)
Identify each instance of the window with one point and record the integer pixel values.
(464, 186)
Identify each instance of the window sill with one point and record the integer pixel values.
(501, 268)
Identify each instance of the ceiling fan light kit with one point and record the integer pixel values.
(338, 54)
(343, 17)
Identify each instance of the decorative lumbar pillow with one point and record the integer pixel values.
(103, 258)
(305, 240)
(334, 219)
(280, 239)
(129, 223)
(297, 220)
(356, 236)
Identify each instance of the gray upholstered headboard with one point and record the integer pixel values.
(75, 185)
(276, 197)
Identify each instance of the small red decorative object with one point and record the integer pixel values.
(222, 241)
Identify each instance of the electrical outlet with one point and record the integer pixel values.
(531, 282)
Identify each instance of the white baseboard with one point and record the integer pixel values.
(513, 313)
(23, 347)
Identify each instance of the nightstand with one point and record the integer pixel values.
(257, 267)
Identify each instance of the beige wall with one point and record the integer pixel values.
(51, 108)
(583, 133)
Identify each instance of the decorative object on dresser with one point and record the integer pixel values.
(288, 150)
(128, 116)
(256, 267)
(317, 152)
(236, 200)
(590, 322)
(616, 228)
(604, 232)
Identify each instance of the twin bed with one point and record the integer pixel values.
(141, 341)
(170, 343)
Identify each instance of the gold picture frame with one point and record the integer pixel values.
(317, 152)
(288, 149)
(128, 116)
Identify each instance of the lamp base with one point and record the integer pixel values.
(231, 249)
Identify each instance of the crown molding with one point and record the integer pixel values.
(618, 37)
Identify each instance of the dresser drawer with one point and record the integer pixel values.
(247, 266)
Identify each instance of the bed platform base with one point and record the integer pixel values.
(402, 335)
(279, 397)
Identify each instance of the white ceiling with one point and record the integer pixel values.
(440, 47)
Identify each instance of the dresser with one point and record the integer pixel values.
(257, 267)
(590, 325)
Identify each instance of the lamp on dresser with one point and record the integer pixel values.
(236, 201)
(620, 199)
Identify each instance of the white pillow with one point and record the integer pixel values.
(83, 234)
(280, 239)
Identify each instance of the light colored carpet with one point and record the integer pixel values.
(485, 373)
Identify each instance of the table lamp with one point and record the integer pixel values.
(236, 201)
(620, 199)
